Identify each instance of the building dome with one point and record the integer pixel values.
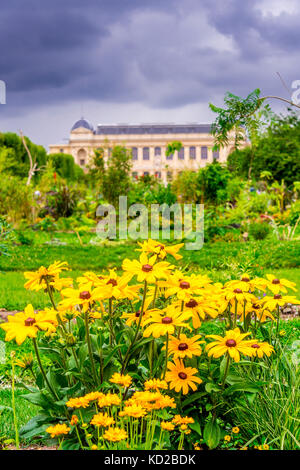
(83, 123)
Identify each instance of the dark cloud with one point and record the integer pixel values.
(162, 54)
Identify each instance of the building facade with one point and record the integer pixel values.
(148, 143)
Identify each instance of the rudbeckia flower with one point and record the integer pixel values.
(165, 321)
(79, 297)
(115, 434)
(261, 348)
(146, 269)
(232, 343)
(199, 307)
(37, 279)
(103, 420)
(58, 430)
(181, 377)
(184, 347)
(155, 384)
(278, 300)
(26, 324)
(279, 285)
(119, 379)
(115, 286)
(245, 284)
(161, 250)
(184, 287)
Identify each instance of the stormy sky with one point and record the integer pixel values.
(139, 61)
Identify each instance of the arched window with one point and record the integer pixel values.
(204, 153)
(81, 157)
(157, 151)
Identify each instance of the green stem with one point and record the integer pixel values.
(137, 329)
(89, 343)
(36, 349)
(13, 404)
(226, 370)
(167, 354)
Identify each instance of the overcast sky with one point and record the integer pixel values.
(138, 61)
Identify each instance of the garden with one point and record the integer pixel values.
(141, 344)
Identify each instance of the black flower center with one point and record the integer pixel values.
(255, 346)
(191, 303)
(231, 343)
(184, 285)
(276, 281)
(85, 295)
(238, 291)
(277, 296)
(29, 321)
(245, 279)
(182, 346)
(182, 375)
(113, 282)
(167, 320)
(147, 268)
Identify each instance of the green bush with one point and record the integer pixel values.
(259, 230)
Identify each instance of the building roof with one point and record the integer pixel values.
(83, 123)
(153, 129)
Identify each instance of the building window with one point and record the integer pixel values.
(146, 173)
(157, 174)
(82, 162)
(216, 154)
(204, 153)
(157, 151)
(192, 153)
(134, 175)
(146, 153)
(169, 157)
(134, 151)
(81, 157)
(181, 154)
(61, 150)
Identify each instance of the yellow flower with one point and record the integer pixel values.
(235, 430)
(161, 250)
(116, 286)
(181, 377)
(164, 321)
(185, 347)
(178, 420)
(261, 348)
(80, 402)
(58, 430)
(232, 343)
(282, 333)
(103, 420)
(198, 307)
(279, 285)
(108, 400)
(227, 438)
(26, 362)
(155, 384)
(37, 280)
(92, 396)
(146, 269)
(184, 287)
(26, 324)
(167, 426)
(94, 447)
(271, 303)
(119, 379)
(245, 284)
(74, 420)
(85, 299)
(115, 434)
(183, 427)
(134, 410)
(151, 400)
(235, 294)
(266, 447)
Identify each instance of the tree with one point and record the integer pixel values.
(65, 166)
(213, 183)
(277, 151)
(116, 178)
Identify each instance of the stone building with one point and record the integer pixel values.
(148, 144)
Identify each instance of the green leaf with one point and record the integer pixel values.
(212, 434)
(35, 426)
(211, 387)
(39, 398)
(244, 386)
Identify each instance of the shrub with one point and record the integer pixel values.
(259, 230)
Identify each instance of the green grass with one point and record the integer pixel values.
(24, 411)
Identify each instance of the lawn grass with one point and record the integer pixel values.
(24, 411)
